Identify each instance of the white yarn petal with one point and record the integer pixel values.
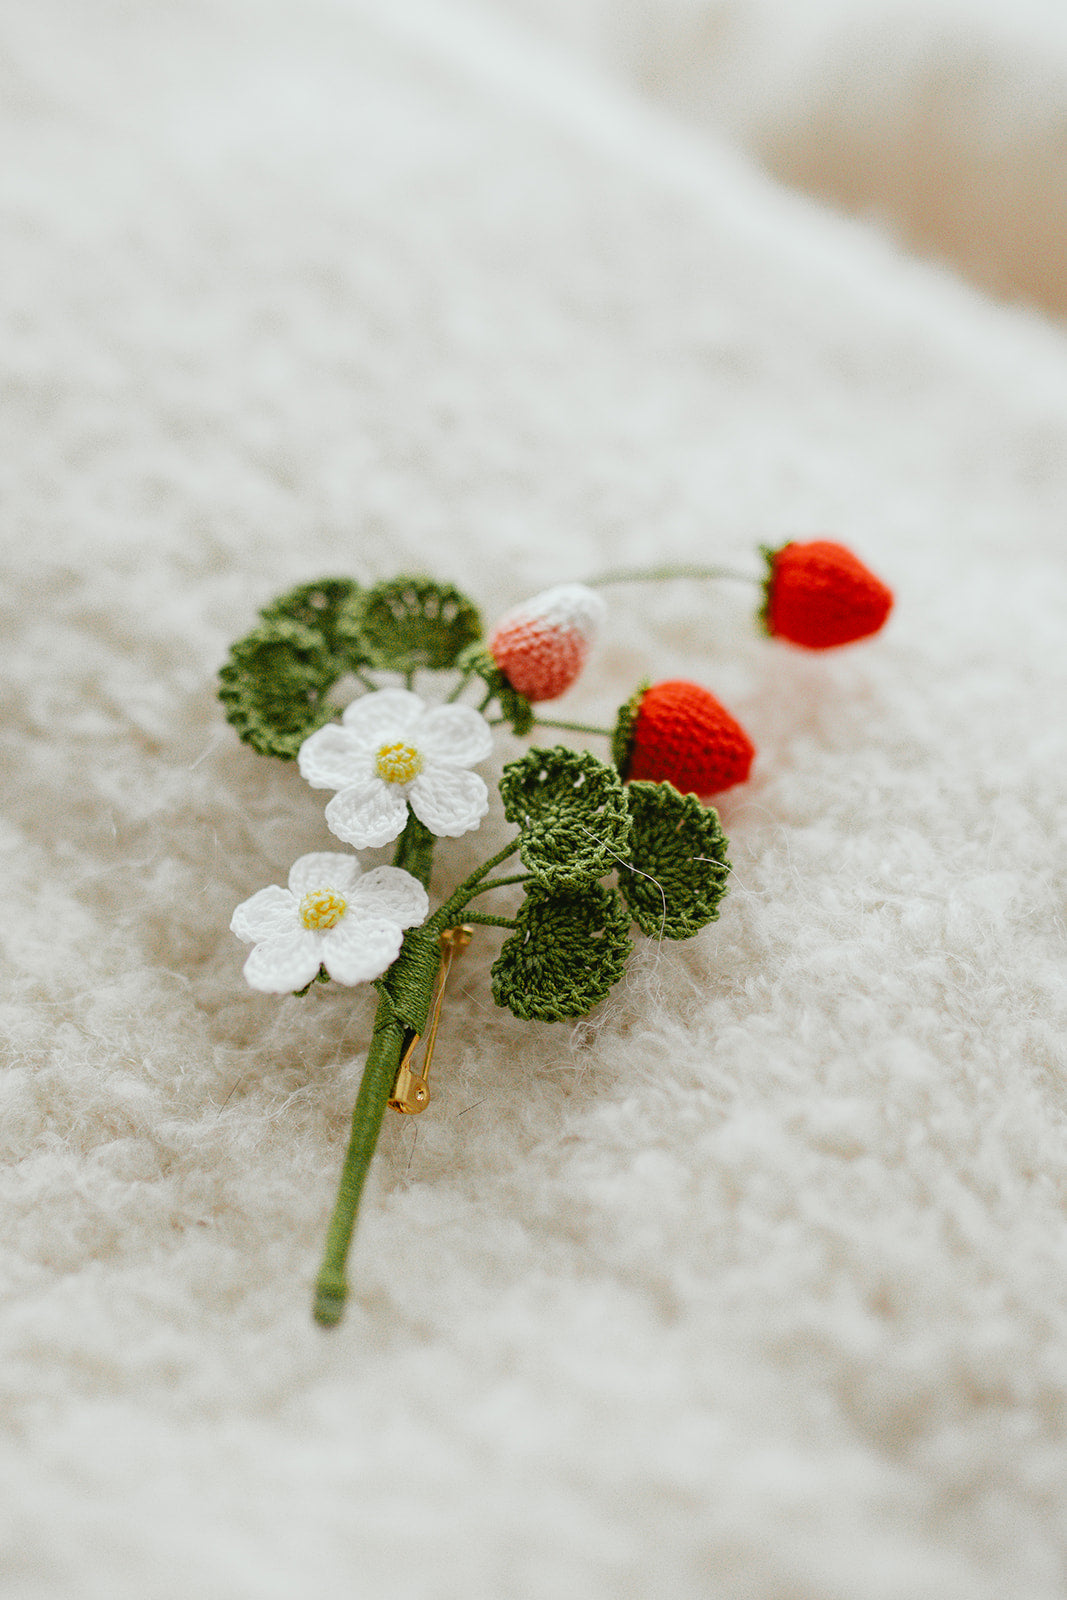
(390, 892)
(267, 914)
(334, 758)
(359, 948)
(449, 800)
(368, 815)
(382, 715)
(324, 869)
(282, 964)
(456, 734)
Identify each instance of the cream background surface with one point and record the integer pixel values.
(943, 120)
(753, 1285)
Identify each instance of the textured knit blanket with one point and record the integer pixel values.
(753, 1285)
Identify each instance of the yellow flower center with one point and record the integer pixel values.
(321, 909)
(398, 763)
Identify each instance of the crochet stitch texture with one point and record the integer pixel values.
(332, 916)
(542, 645)
(820, 595)
(390, 751)
(676, 732)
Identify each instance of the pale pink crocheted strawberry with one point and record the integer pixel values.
(542, 645)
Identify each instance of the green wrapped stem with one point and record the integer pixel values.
(379, 1075)
(665, 573)
(414, 850)
(406, 992)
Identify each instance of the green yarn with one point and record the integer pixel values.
(329, 608)
(763, 615)
(405, 995)
(274, 687)
(622, 740)
(414, 850)
(514, 707)
(407, 987)
(413, 623)
(678, 869)
(568, 950)
(577, 821)
(572, 811)
(275, 682)
(379, 1074)
(322, 976)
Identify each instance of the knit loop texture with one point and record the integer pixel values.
(412, 623)
(275, 682)
(572, 811)
(568, 950)
(407, 987)
(514, 707)
(678, 871)
(819, 595)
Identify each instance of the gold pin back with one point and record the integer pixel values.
(411, 1091)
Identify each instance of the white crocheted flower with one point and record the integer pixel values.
(390, 751)
(332, 915)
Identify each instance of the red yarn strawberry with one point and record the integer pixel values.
(820, 595)
(542, 645)
(676, 732)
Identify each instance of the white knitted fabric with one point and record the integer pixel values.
(753, 1286)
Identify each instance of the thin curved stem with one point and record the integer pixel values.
(460, 686)
(484, 920)
(486, 867)
(500, 883)
(659, 574)
(452, 911)
(573, 727)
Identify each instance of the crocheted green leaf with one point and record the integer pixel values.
(276, 679)
(513, 706)
(329, 608)
(678, 869)
(410, 623)
(572, 811)
(568, 949)
(274, 686)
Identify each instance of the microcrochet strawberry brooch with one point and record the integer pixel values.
(820, 595)
(590, 853)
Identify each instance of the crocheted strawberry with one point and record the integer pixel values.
(542, 645)
(819, 595)
(676, 732)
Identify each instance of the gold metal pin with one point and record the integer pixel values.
(411, 1091)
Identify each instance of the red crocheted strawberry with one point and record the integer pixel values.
(819, 595)
(542, 645)
(676, 732)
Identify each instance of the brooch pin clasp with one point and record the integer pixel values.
(411, 1090)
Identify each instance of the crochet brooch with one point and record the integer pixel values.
(602, 846)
